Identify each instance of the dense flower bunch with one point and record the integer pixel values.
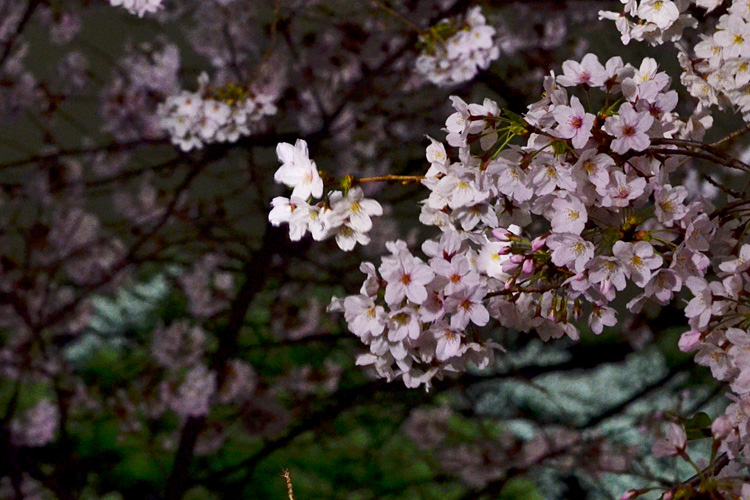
(139, 7)
(655, 21)
(344, 214)
(590, 182)
(718, 316)
(194, 119)
(538, 235)
(455, 54)
(717, 72)
(535, 235)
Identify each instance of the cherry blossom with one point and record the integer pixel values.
(458, 58)
(574, 123)
(629, 129)
(674, 443)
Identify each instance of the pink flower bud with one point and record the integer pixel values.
(528, 266)
(689, 341)
(501, 234)
(517, 259)
(629, 495)
(510, 265)
(538, 243)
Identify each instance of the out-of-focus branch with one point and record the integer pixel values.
(645, 391)
(113, 147)
(731, 136)
(257, 271)
(68, 308)
(7, 46)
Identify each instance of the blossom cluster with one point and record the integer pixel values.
(655, 21)
(581, 185)
(194, 119)
(138, 7)
(719, 73)
(539, 235)
(719, 336)
(345, 215)
(453, 54)
(425, 325)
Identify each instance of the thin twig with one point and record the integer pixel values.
(731, 136)
(721, 187)
(387, 8)
(288, 479)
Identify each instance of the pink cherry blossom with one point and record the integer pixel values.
(629, 129)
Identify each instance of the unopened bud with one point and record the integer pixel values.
(501, 234)
(538, 243)
(528, 266)
(510, 265)
(689, 341)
